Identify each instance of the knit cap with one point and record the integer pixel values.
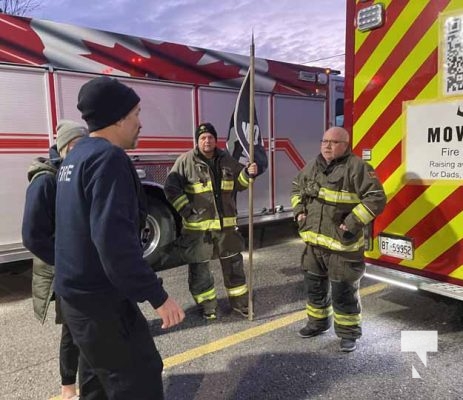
(205, 127)
(66, 131)
(103, 101)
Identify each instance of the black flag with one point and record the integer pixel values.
(238, 133)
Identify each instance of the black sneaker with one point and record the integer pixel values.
(310, 331)
(209, 316)
(209, 309)
(348, 345)
(243, 310)
(240, 305)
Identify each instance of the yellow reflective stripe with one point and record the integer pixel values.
(227, 185)
(347, 320)
(210, 224)
(209, 295)
(237, 291)
(199, 187)
(181, 202)
(363, 214)
(330, 243)
(243, 179)
(333, 196)
(229, 221)
(295, 200)
(319, 313)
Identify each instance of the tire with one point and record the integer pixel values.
(159, 229)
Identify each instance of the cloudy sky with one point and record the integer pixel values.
(296, 31)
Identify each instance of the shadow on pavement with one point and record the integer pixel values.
(271, 376)
(15, 281)
(441, 313)
(266, 300)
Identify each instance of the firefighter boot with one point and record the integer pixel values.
(314, 329)
(209, 309)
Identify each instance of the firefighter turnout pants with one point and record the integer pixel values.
(227, 246)
(332, 282)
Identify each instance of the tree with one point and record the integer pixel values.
(19, 7)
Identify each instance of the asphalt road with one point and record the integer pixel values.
(233, 358)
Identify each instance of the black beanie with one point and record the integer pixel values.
(104, 101)
(203, 128)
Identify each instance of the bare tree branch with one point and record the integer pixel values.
(19, 7)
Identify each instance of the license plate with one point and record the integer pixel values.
(396, 246)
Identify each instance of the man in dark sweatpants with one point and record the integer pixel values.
(100, 271)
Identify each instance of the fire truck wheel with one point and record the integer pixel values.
(159, 229)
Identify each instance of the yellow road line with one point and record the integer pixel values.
(373, 289)
(233, 339)
(247, 334)
(250, 333)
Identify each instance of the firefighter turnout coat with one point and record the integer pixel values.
(346, 191)
(205, 201)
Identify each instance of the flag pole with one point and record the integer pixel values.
(251, 179)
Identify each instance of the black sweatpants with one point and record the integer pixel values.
(68, 357)
(68, 351)
(118, 357)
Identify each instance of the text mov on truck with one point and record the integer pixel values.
(404, 107)
(43, 64)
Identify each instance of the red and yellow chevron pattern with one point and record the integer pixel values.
(385, 67)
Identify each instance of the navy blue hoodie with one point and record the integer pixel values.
(38, 227)
(98, 248)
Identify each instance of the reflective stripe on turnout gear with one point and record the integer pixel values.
(199, 187)
(210, 224)
(180, 202)
(207, 186)
(321, 240)
(209, 295)
(237, 291)
(227, 185)
(363, 214)
(338, 197)
(243, 179)
(295, 200)
(347, 319)
(319, 313)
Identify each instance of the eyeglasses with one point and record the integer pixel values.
(326, 142)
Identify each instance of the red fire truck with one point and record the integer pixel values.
(404, 107)
(43, 64)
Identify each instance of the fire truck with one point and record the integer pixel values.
(43, 64)
(404, 108)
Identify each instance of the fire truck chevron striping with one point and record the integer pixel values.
(43, 64)
(404, 93)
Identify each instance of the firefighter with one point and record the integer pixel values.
(333, 198)
(202, 187)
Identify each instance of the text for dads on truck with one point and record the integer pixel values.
(43, 64)
(404, 107)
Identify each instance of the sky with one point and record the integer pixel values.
(295, 31)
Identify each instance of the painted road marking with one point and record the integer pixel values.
(247, 334)
(250, 333)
